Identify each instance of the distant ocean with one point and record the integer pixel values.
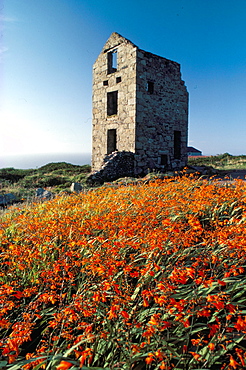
(39, 160)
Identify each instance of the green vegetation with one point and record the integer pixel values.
(57, 176)
(224, 161)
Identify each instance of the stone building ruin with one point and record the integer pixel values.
(140, 112)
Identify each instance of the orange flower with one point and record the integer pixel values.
(204, 312)
(213, 329)
(196, 342)
(240, 324)
(239, 352)
(154, 320)
(149, 359)
(186, 323)
(86, 355)
(112, 314)
(196, 356)
(233, 363)
(211, 346)
(124, 314)
(64, 365)
(163, 366)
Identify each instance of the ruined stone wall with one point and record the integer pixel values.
(122, 80)
(162, 109)
(139, 106)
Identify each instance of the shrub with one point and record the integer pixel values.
(63, 166)
(31, 181)
(53, 180)
(13, 175)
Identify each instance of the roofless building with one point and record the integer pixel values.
(140, 105)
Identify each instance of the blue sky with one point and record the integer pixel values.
(48, 47)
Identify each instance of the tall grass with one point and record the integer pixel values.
(150, 276)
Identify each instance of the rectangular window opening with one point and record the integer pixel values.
(105, 83)
(112, 103)
(163, 159)
(118, 79)
(112, 61)
(111, 141)
(177, 144)
(150, 87)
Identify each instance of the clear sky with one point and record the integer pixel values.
(48, 47)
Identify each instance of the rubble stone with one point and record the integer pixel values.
(115, 165)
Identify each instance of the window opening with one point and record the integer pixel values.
(177, 144)
(163, 159)
(112, 103)
(150, 87)
(111, 141)
(105, 83)
(112, 61)
(118, 79)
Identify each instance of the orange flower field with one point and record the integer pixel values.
(145, 276)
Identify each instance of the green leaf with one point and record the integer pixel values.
(95, 368)
(199, 328)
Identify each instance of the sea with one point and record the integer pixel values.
(33, 161)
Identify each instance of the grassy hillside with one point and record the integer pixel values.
(141, 277)
(221, 162)
(58, 176)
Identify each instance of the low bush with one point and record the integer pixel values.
(13, 175)
(50, 167)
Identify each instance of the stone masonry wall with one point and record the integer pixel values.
(160, 111)
(103, 82)
(140, 105)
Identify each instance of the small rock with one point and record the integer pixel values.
(44, 194)
(7, 199)
(76, 187)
